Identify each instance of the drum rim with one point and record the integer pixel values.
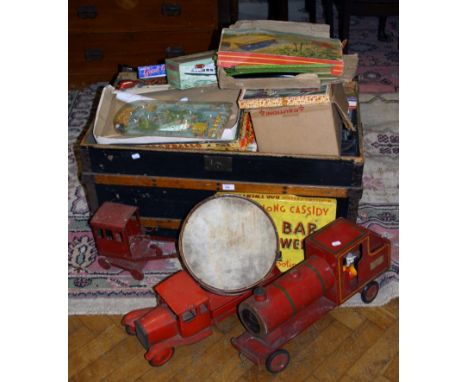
(204, 284)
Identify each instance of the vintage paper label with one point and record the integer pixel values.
(295, 218)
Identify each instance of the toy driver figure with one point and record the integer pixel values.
(348, 265)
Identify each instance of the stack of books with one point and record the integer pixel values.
(255, 51)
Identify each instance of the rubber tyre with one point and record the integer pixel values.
(370, 292)
(162, 358)
(104, 263)
(277, 361)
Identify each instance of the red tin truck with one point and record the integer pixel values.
(121, 241)
(184, 315)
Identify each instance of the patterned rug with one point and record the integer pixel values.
(93, 290)
(378, 61)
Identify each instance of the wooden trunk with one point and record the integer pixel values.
(167, 183)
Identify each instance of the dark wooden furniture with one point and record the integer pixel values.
(103, 34)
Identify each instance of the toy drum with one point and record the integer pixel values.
(228, 244)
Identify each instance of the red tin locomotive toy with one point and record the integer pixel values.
(342, 260)
(121, 242)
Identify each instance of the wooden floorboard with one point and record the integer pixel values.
(347, 345)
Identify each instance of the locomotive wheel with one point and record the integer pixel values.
(277, 361)
(162, 357)
(370, 291)
(104, 263)
(137, 275)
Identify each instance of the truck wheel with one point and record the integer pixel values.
(277, 361)
(370, 291)
(162, 357)
(104, 263)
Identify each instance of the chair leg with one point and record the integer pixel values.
(382, 35)
(311, 7)
(344, 29)
(328, 15)
(278, 10)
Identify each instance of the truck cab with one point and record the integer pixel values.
(113, 225)
(357, 256)
(184, 315)
(187, 300)
(181, 317)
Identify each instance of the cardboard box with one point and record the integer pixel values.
(191, 71)
(112, 100)
(306, 129)
(295, 218)
(305, 80)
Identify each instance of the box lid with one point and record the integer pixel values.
(340, 102)
(190, 57)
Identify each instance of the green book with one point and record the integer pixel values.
(254, 69)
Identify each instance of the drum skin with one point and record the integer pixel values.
(292, 292)
(228, 244)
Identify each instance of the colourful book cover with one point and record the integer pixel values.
(255, 46)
